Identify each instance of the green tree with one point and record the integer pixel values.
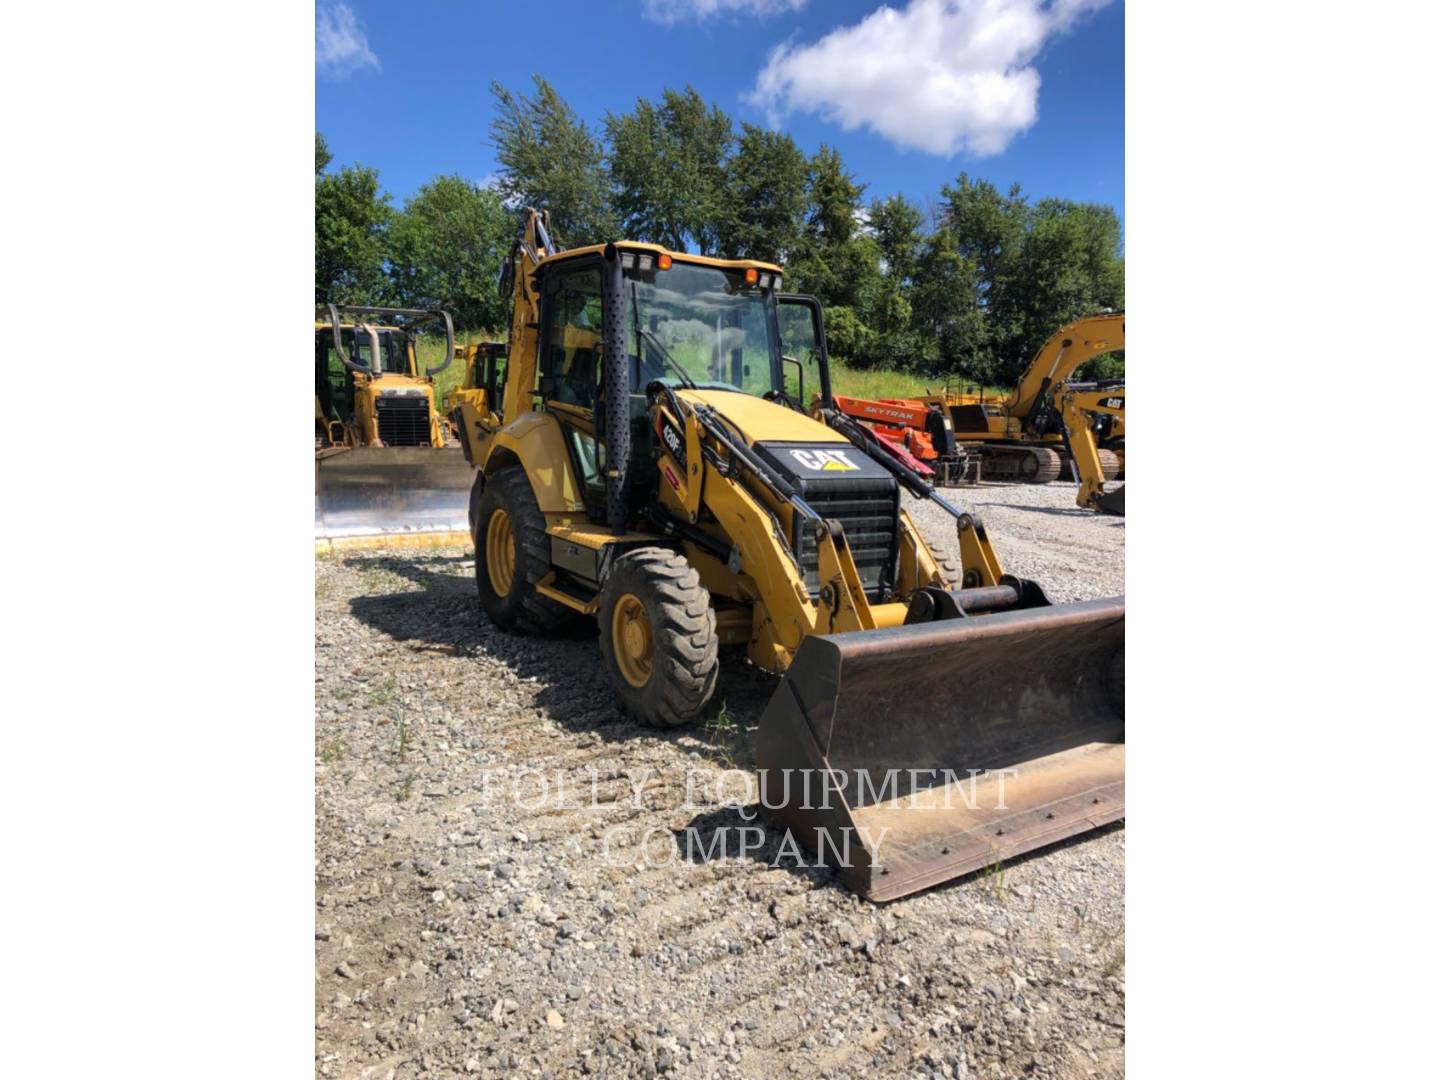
(351, 221)
(895, 223)
(446, 249)
(1033, 268)
(949, 318)
(667, 166)
(836, 262)
(763, 204)
(551, 160)
(322, 154)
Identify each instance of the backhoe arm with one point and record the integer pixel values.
(532, 243)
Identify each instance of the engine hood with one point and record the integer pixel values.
(763, 421)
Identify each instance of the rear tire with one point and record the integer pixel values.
(657, 637)
(476, 491)
(510, 533)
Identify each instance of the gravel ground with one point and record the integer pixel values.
(476, 918)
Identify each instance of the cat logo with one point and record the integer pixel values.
(825, 460)
(1112, 403)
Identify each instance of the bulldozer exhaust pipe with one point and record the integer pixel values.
(907, 756)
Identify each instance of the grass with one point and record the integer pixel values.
(388, 694)
(430, 352)
(402, 741)
(333, 750)
(994, 878)
(870, 383)
(378, 580)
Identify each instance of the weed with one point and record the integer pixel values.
(388, 693)
(404, 787)
(333, 751)
(994, 878)
(722, 730)
(402, 737)
(377, 579)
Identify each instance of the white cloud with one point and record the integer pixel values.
(671, 11)
(340, 45)
(942, 76)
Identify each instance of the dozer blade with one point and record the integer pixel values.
(1112, 502)
(392, 496)
(905, 757)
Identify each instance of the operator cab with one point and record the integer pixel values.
(688, 323)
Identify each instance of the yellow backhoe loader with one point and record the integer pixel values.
(654, 467)
(484, 380)
(1021, 437)
(383, 471)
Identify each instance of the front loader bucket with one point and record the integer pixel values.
(908, 756)
(392, 496)
(1112, 502)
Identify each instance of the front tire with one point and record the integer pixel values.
(657, 636)
(512, 553)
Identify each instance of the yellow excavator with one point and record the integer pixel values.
(383, 470)
(1024, 437)
(654, 468)
(1094, 415)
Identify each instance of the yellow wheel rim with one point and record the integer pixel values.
(631, 639)
(500, 553)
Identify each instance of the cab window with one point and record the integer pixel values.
(800, 363)
(570, 349)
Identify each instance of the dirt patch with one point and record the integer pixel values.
(502, 888)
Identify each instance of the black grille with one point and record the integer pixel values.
(404, 421)
(869, 519)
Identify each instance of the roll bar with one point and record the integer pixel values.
(415, 315)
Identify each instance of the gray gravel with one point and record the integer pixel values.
(474, 931)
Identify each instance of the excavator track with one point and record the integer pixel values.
(1017, 464)
(1109, 465)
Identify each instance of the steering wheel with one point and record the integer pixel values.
(780, 397)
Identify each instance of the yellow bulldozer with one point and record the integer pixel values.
(383, 469)
(1048, 425)
(654, 467)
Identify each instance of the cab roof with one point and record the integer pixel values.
(658, 249)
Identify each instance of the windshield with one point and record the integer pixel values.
(394, 358)
(702, 321)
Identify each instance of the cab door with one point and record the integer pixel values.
(571, 313)
(804, 361)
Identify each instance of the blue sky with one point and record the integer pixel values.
(929, 89)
